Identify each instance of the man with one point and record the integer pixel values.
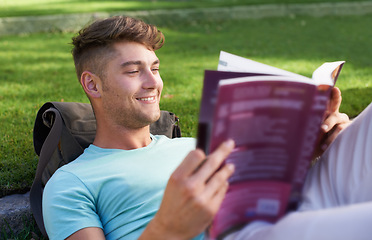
(128, 183)
(115, 188)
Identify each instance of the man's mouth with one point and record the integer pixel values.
(146, 99)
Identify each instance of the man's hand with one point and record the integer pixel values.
(193, 195)
(333, 124)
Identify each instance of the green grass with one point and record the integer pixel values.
(12, 8)
(38, 68)
(29, 231)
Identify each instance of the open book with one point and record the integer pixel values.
(274, 116)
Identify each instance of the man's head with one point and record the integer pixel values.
(119, 71)
(93, 46)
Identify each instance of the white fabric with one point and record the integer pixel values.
(337, 193)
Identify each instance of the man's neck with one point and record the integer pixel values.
(122, 138)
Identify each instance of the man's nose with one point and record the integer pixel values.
(151, 80)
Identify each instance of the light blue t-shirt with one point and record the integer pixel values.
(116, 190)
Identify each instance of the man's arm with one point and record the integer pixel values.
(193, 195)
(333, 124)
(91, 233)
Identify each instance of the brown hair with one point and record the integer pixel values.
(93, 44)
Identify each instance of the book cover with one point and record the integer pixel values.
(274, 117)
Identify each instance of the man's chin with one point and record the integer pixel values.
(157, 116)
(151, 118)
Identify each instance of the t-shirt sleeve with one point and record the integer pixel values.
(68, 206)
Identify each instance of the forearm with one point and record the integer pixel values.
(155, 230)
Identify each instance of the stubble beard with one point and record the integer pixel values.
(129, 117)
(134, 119)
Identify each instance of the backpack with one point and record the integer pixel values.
(62, 131)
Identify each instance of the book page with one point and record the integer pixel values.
(231, 62)
(327, 73)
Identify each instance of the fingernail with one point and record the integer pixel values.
(231, 167)
(324, 127)
(229, 143)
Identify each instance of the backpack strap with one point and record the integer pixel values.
(46, 152)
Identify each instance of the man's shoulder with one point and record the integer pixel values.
(80, 164)
(81, 170)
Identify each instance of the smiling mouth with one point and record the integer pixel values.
(146, 99)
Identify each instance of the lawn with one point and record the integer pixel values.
(12, 8)
(37, 68)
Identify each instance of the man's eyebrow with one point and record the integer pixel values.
(130, 63)
(137, 63)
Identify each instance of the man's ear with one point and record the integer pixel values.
(90, 83)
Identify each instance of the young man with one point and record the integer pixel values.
(130, 184)
(115, 188)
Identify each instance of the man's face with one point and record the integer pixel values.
(132, 86)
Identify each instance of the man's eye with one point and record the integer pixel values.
(155, 70)
(132, 72)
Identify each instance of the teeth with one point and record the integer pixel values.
(147, 99)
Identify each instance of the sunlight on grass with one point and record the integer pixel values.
(10, 8)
